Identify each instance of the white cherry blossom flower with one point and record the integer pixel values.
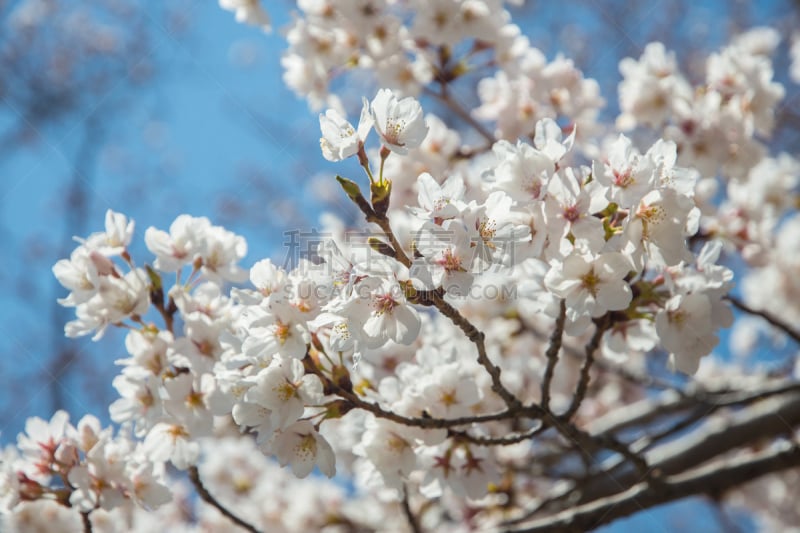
(380, 308)
(147, 484)
(522, 171)
(139, 402)
(248, 12)
(116, 238)
(627, 175)
(221, 252)
(171, 442)
(269, 333)
(657, 227)
(630, 336)
(447, 256)
(47, 446)
(385, 446)
(256, 417)
(439, 202)
(180, 246)
(649, 87)
(569, 207)
(285, 390)
(400, 123)
(466, 470)
(117, 298)
(339, 139)
(79, 274)
(499, 230)
(301, 447)
(591, 285)
(449, 392)
(685, 330)
(549, 139)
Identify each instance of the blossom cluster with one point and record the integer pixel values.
(292, 359)
(599, 234)
(85, 467)
(720, 128)
(384, 357)
(406, 46)
(262, 493)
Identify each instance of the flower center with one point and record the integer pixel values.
(384, 304)
(282, 332)
(534, 187)
(448, 397)
(285, 391)
(572, 213)
(487, 229)
(590, 281)
(394, 129)
(623, 178)
(306, 447)
(450, 261)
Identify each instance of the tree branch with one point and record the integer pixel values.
(715, 478)
(462, 113)
(476, 336)
(435, 299)
(194, 476)
(413, 523)
(86, 521)
(583, 380)
(499, 441)
(763, 420)
(552, 354)
(776, 322)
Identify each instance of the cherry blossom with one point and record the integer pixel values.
(301, 447)
(339, 139)
(513, 288)
(248, 11)
(399, 122)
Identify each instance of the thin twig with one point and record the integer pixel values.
(714, 478)
(476, 336)
(521, 411)
(462, 113)
(499, 441)
(87, 522)
(642, 380)
(741, 306)
(472, 333)
(552, 354)
(194, 476)
(583, 380)
(413, 523)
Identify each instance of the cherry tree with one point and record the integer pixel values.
(517, 336)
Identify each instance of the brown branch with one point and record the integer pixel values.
(435, 299)
(462, 113)
(765, 419)
(499, 441)
(86, 521)
(618, 370)
(552, 354)
(194, 476)
(413, 523)
(476, 336)
(438, 423)
(715, 478)
(776, 322)
(531, 411)
(583, 380)
(642, 413)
